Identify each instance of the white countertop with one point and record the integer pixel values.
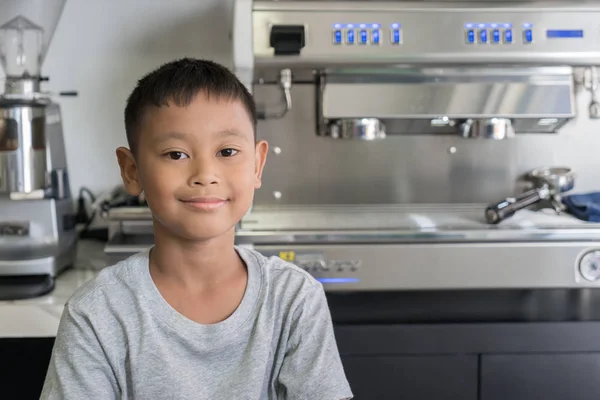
(39, 317)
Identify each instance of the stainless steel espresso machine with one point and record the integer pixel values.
(406, 120)
(37, 215)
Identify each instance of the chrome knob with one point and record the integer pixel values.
(589, 266)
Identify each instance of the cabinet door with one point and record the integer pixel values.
(540, 376)
(412, 377)
(23, 366)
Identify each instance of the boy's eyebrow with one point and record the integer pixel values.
(231, 133)
(171, 135)
(183, 136)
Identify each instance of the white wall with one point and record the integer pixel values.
(100, 49)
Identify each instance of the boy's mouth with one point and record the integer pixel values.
(205, 203)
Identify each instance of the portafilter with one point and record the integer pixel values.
(548, 184)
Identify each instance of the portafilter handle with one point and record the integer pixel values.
(506, 208)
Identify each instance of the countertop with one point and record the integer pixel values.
(39, 317)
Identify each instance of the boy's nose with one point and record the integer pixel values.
(203, 174)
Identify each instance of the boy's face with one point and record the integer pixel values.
(198, 166)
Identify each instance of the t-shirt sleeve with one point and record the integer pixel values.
(312, 368)
(78, 367)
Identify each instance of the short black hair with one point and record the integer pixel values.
(179, 82)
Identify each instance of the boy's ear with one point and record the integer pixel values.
(260, 153)
(129, 171)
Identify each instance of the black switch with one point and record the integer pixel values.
(287, 40)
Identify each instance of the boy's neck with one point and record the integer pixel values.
(194, 265)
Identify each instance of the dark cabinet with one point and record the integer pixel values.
(412, 377)
(504, 361)
(470, 377)
(540, 376)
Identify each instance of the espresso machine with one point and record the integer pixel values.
(407, 120)
(37, 214)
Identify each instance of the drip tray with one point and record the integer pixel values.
(405, 224)
(400, 217)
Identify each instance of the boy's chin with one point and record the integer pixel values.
(195, 227)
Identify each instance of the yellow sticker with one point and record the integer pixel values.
(287, 255)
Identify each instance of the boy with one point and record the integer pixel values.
(195, 317)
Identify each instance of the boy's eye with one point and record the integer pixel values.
(177, 155)
(228, 152)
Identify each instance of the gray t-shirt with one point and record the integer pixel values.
(119, 339)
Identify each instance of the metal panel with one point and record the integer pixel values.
(355, 267)
(453, 93)
(419, 169)
(22, 149)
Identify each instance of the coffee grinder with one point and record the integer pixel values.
(38, 238)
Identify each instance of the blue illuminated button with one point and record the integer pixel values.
(470, 36)
(508, 37)
(496, 36)
(350, 36)
(527, 36)
(396, 36)
(364, 36)
(337, 36)
(483, 36)
(375, 36)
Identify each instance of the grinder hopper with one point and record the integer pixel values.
(26, 30)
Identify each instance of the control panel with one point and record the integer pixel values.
(466, 35)
(474, 33)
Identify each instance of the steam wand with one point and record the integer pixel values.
(591, 83)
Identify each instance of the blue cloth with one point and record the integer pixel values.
(584, 206)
